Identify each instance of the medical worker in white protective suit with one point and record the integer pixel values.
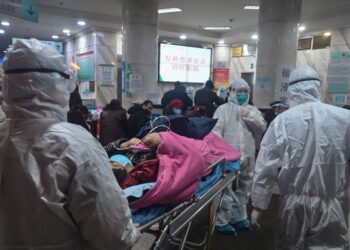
(311, 144)
(241, 125)
(2, 114)
(57, 189)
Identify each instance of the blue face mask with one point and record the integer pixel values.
(177, 111)
(242, 98)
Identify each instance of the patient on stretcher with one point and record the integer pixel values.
(134, 150)
(173, 164)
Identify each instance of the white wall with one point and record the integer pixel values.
(241, 65)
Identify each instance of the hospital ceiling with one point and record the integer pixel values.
(106, 15)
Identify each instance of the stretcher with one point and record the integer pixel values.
(174, 226)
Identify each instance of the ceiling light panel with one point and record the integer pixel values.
(169, 10)
(251, 7)
(217, 28)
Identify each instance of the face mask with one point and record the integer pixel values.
(242, 98)
(177, 111)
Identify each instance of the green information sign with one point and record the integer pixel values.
(86, 63)
(25, 9)
(30, 10)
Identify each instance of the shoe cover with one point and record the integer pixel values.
(243, 225)
(226, 229)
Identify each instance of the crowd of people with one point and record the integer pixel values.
(59, 188)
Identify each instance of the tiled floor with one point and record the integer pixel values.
(254, 240)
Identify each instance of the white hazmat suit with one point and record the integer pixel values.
(57, 189)
(241, 126)
(311, 144)
(2, 114)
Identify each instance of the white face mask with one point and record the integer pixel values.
(177, 111)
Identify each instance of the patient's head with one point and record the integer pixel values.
(121, 166)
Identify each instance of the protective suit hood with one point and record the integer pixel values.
(237, 84)
(57, 188)
(304, 86)
(36, 82)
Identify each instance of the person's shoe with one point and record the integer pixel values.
(226, 229)
(243, 225)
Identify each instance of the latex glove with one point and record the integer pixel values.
(254, 217)
(244, 112)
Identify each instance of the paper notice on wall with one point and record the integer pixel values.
(281, 84)
(135, 82)
(339, 73)
(106, 74)
(263, 84)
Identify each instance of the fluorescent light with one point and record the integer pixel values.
(74, 66)
(302, 28)
(251, 7)
(221, 42)
(5, 23)
(183, 37)
(327, 34)
(81, 23)
(255, 37)
(169, 10)
(217, 28)
(2, 31)
(66, 31)
(54, 37)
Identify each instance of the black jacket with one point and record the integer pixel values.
(176, 94)
(113, 125)
(76, 117)
(138, 118)
(206, 97)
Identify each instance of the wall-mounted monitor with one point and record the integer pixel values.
(183, 63)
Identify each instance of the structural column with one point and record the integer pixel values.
(140, 50)
(277, 49)
(222, 64)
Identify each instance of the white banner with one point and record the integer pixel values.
(281, 83)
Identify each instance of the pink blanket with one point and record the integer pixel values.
(182, 164)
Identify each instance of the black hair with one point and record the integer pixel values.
(114, 104)
(177, 84)
(209, 84)
(145, 103)
(120, 175)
